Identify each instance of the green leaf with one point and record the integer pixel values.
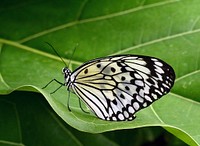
(167, 29)
(27, 119)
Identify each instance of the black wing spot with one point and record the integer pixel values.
(132, 81)
(113, 69)
(86, 71)
(127, 88)
(123, 69)
(98, 65)
(132, 74)
(119, 64)
(123, 78)
(114, 101)
(122, 96)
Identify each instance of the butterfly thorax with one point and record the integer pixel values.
(67, 76)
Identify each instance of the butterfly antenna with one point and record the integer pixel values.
(56, 53)
(72, 55)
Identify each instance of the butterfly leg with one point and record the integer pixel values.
(61, 84)
(82, 107)
(79, 104)
(68, 101)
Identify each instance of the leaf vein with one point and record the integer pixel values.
(187, 75)
(158, 40)
(156, 115)
(94, 19)
(184, 98)
(11, 143)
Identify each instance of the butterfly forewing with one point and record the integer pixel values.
(116, 87)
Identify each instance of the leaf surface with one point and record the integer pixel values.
(168, 29)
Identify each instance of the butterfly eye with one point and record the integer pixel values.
(65, 70)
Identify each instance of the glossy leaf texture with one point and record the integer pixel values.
(166, 29)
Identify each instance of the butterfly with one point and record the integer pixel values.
(116, 87)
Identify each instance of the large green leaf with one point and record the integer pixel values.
(167, 29)
(26, 119)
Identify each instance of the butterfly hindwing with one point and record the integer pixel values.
(116, 87)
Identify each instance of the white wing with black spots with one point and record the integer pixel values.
(116, 87)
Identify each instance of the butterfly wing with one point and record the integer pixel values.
(116, 87)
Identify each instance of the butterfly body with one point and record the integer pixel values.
(116, 87)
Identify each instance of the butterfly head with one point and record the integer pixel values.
(67, 74)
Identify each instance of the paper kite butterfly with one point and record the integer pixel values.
(116, 87)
